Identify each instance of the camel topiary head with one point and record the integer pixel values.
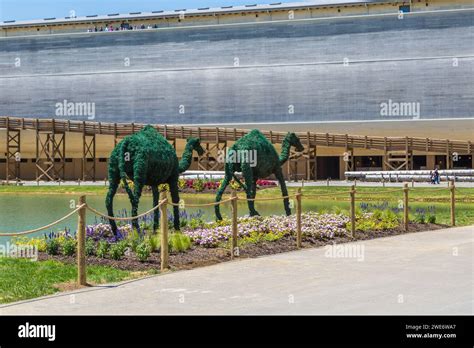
(195, 144)
(295, 141)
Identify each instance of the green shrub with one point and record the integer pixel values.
(90, 247)
(117, 250)
(196, 223)
(390, 215)
(133, 240)
(257, 237)
(163, 187)
(377, 214)
(181, 184)
(179, 242)
(39, 243)
(420, 218)
(143, 251)
(389, 220)
(253, 238)
(271, 237)
(379, 220)
(52, 246)
(198, 185)
(130, 183)
(183, 223)
(154, 240)
(102, 249)
(68, 246)
(432, 219)
(234, 185)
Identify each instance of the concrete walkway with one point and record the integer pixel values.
(418, 273)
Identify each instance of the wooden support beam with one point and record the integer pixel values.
(448, 155)
(88, 157)
(209, 160)
(13, 154)
(50, 155)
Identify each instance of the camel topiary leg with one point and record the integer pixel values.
(253, 194)
(114, 180)
(175, 199)
(156, 217)
(251, 187)
(284, 191)
(109, 203)
(224, 184)
(139, 177)
(137, 194)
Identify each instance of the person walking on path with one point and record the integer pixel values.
(436, 176)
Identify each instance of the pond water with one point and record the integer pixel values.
(24, 211)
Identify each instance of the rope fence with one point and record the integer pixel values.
(327, 194)
(164, 201)
(125, 218)
(203, 204)
(44, 227)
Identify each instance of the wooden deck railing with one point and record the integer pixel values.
(216, 134)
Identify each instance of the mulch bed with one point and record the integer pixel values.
(200, 256)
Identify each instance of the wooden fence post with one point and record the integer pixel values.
(164, 231)
(81, 243)
(405, 206)
(452, 188)
(298, 218)
(235, 250)
(353, 215)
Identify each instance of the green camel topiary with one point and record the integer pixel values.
(267, 162)
(147, 158)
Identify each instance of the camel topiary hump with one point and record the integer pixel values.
(255, 140)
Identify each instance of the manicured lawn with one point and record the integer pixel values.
(76, 190)
(22, 279)
(436, 193)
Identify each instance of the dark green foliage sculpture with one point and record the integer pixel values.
(268, 162)
(147, 158)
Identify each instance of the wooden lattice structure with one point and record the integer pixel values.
(51, 133)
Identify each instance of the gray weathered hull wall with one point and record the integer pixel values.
(187, 75)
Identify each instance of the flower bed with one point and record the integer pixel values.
(203, 243)
(312, 224)
(203, 185)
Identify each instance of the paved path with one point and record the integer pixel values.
(422, 273)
